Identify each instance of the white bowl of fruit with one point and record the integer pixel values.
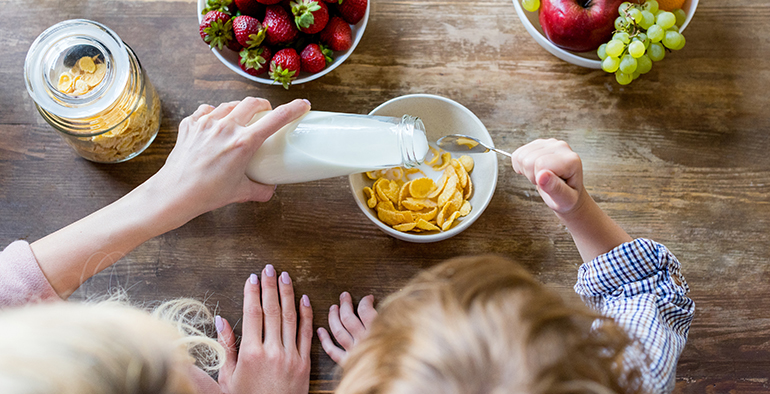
(580, 31)
(281, 42)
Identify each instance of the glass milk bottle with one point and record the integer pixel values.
(89, 85)
(326, 144)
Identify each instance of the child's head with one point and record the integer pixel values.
(98, 348)
(484, 325)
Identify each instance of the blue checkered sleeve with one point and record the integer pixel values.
(640, 286)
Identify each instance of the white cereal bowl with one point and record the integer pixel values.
(230, 58)
(441, 116)
(531, 22)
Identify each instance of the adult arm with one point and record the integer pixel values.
(204, 171)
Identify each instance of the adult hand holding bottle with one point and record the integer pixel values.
(207, 165)
(205, 171)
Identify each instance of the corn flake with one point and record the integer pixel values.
(467, 142)
(436, 156)
(422, 187)
(420, 204)
(467, 163)
(446, 159)
(65, 83)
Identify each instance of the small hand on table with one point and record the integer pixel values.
(347, 328)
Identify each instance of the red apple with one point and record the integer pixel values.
(579, 25)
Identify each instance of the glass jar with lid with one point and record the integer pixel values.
(89, 85)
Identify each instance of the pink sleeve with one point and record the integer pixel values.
(21, 280)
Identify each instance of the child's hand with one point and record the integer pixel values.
(347, 328)
(555, 169)
(279, 363)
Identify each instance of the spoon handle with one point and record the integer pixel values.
(502, 152)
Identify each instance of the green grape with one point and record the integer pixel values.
(615, 48)
(655, 33)
(643, 64)
(672, 39)
(636, 49)
(673, 28)
(623, 7)
(635, 75)
(610, 64)
(656, 52)
(665, 20)
(651, 6)
(622, 37)
(681, 44)
(648, 19)
(623, 78)
(620, 23)
(644, 39)
(628, 64)
(602, 51)
(635, 14)
(530, 5)
(658, 12)
(681, 16)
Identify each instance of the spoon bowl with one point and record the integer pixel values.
(461, 143)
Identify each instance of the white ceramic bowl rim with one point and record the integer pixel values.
(341, 56)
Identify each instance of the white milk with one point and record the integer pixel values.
(326, 144)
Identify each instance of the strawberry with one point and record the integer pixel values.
(234, 45)
(285, 66)
(248, 31)
(280, 28)
(248, 7)
(269, 2)
(255, 61)
(337, 34)
(310, 16)
(216, 29)
(315, 58)
(352, 10)
(219, 5)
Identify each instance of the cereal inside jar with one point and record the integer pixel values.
(90, 86)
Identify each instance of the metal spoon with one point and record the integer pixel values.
(465, 144)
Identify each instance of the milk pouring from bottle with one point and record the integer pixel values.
(326, 144)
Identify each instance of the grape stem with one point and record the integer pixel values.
(635, 30)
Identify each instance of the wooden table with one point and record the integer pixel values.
(680, 156)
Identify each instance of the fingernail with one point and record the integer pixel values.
(269, 270)
(307, 101)
(285, 278)
(253, 279)
(305, 300)
(218, 323)
(344, 294)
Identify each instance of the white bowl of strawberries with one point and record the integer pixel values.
(282, 42)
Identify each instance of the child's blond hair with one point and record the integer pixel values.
(484, 325)
(104, 347)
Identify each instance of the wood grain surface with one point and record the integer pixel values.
(680, 156)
